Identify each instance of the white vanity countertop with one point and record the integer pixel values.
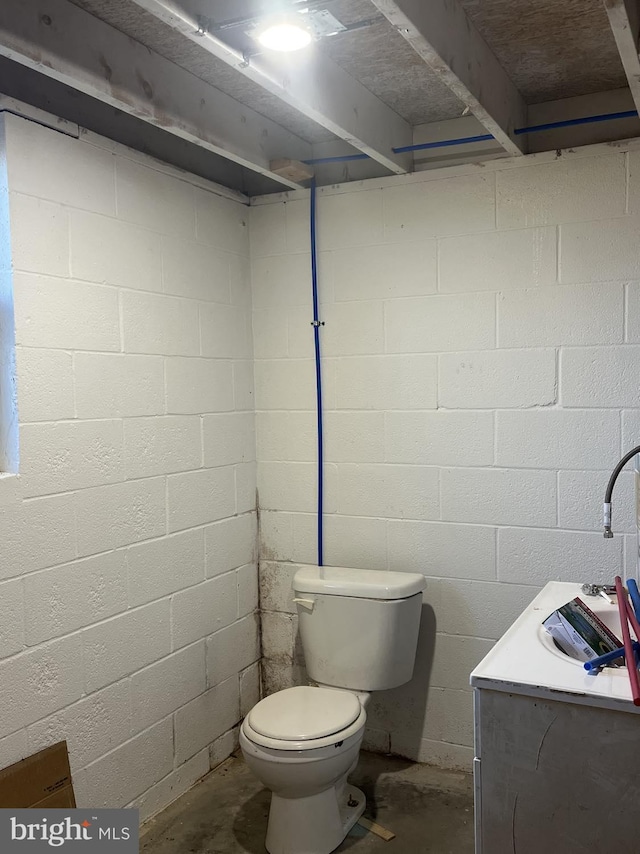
(526, 661)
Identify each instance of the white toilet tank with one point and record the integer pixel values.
(359, 627)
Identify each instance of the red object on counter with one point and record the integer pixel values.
(629, 657)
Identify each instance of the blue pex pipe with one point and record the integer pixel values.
(565, 123)
(585, 120)
(632, 587)
(465, 140)
(608, 657)
(443, 143)
(316, 338)
(345, 158)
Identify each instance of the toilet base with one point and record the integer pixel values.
(313, 825)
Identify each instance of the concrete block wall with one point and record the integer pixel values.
(128, 582)
(481, 361)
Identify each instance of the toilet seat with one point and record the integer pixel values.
(304, 718)
(303, 713)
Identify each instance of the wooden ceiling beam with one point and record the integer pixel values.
(443, 36)
(624, 18)
(311, 83)
(69, 45)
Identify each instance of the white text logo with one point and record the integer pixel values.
(54, 834)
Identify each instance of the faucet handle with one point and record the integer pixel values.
(597, 589)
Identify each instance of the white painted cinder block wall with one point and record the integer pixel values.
(482, 377)
(481, 351)
(128, 583)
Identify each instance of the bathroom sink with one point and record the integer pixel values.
(555, 747)
(605, 612)
(526, 661)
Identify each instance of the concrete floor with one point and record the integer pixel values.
(429, 810)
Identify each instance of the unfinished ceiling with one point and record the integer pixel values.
(403, 71)
(551, 50)
(154, 34)
(377, 56)
(382, 61)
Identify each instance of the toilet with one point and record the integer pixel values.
(359, 632)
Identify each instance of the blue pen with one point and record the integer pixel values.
(608, 657)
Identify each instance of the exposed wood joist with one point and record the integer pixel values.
(441, 33)
(69, 45)
(311, 83)
(624, 17)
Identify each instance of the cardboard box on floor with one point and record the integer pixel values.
(42, 780)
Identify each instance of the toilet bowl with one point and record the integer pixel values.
(302, 743)
(359, 632)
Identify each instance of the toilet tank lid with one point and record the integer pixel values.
(359, 583)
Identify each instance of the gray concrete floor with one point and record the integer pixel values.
(429, 810)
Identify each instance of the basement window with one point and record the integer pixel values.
(8, 400)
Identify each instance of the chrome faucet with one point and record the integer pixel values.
(608, 533)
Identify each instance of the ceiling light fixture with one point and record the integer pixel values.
(285, 37)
